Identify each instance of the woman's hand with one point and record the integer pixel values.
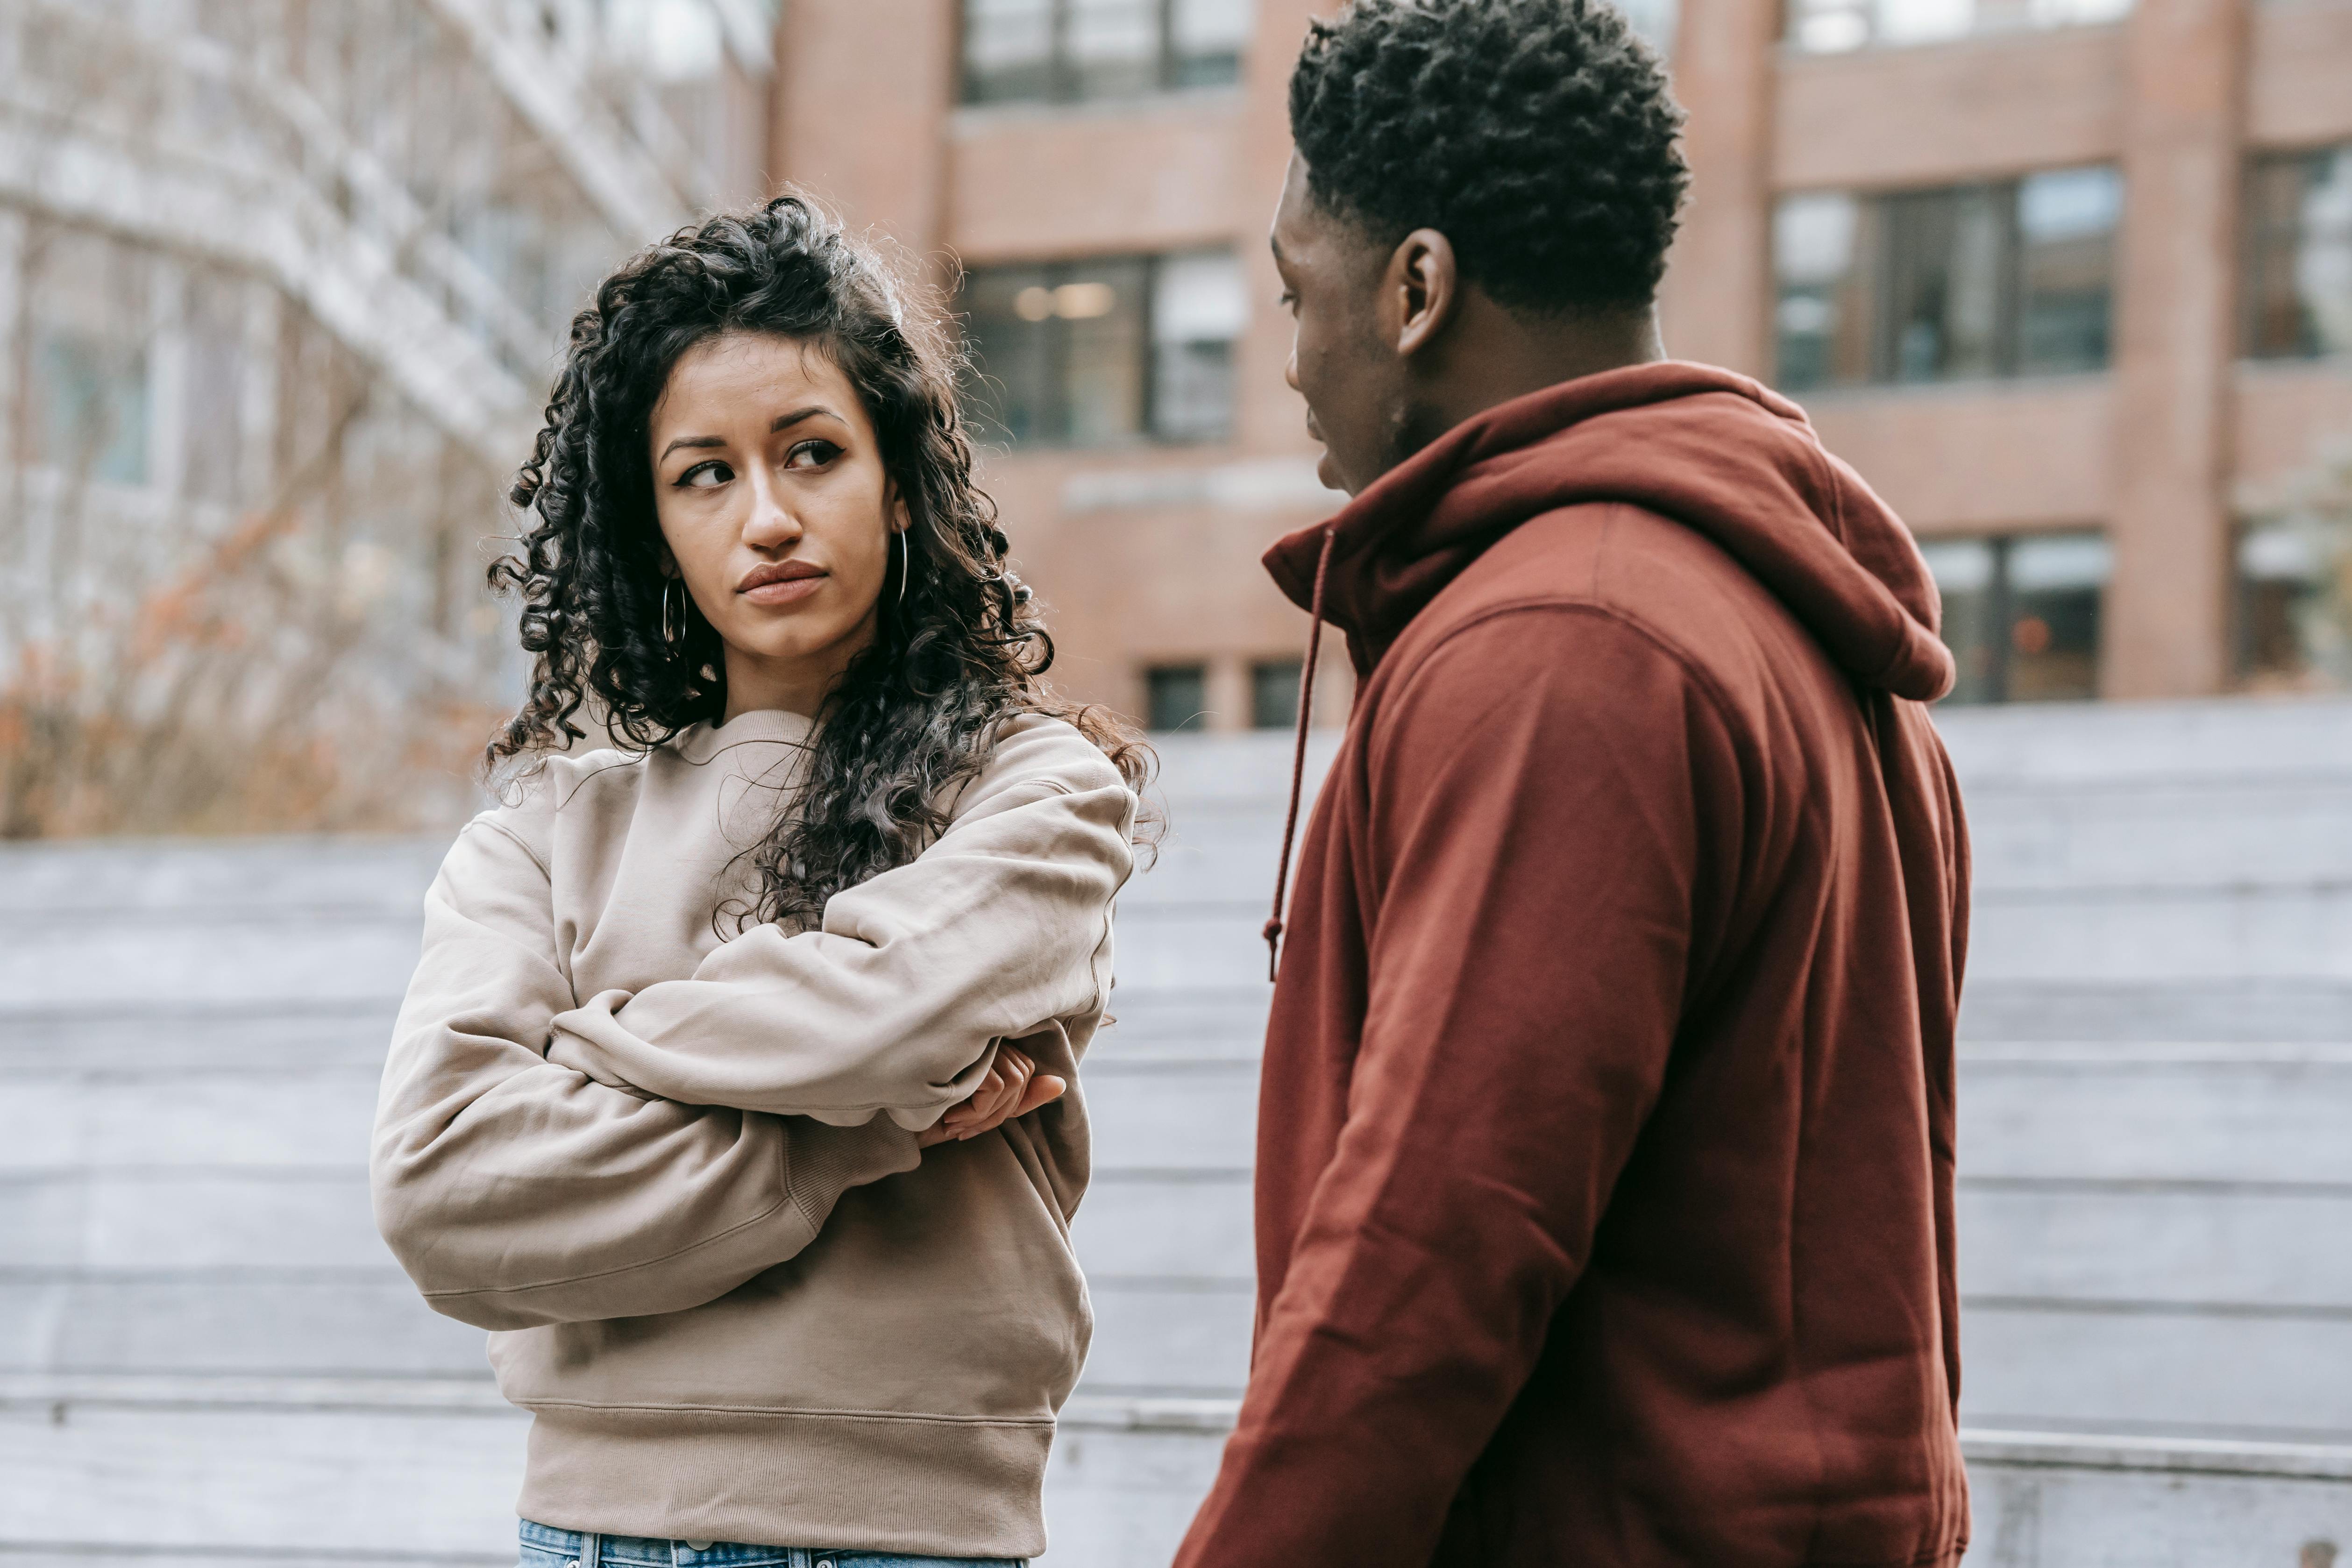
(1013, 1087)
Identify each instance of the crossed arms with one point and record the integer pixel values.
(541, 1160)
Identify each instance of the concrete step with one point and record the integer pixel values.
(206, 1356)
(238, 1471)
(2126, 834)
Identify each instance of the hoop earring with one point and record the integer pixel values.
(906, 565)
(673, 612)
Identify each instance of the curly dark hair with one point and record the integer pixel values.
(1539, 136)
(916, 713)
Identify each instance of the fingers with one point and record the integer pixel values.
(1014, 1069)
(1013, 1087)
(1043, 1089)
(980, 1102)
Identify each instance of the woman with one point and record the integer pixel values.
(705, 1094)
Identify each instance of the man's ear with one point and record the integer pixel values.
(1420, 292)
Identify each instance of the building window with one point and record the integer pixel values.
(1832, 26)
(2299, 271)
(1274, 693)
(1176, 696)
(1962, 282)
(1071, 50)
(91, 406)
(2022, 615)
(1096, 353)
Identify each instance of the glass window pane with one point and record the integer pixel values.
(1099, 308)
(1274, 693)
(212, 387)
(2273, 311)
(1965, 572)
(1924, 21)
(1198, 305)
(87, 360)
(92, 406)
(1010, 336)
(1008, 50)
(2286, 636)
(1208, 37)
(1175, 696)
(2066, 223)
(1946, 267)
(1114, 47)
(2323, 266)
(1830, 26)
(1822, 319)
(2057, 585)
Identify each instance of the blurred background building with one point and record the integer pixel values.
(280, 286)
(2071, 284)
(281, 282)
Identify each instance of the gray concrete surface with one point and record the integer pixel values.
(206, 1356)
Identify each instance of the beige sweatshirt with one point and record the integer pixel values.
(677, 1173)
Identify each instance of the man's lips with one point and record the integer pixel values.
(781, 582)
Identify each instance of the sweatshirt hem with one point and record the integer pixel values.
(786, 1412)
(852, 1480)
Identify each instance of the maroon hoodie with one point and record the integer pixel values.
(1604, 1187)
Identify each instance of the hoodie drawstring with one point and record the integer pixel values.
(1299, 756)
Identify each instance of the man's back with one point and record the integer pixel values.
(1605, 1157)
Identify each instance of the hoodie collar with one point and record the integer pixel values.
(1708, 448)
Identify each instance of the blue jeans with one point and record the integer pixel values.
(544, 1547)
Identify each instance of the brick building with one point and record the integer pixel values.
(2069, 280)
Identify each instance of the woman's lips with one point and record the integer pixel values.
(783, 590)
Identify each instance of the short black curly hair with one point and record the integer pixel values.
(1539, 136)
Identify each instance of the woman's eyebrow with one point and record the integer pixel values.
(783, 422)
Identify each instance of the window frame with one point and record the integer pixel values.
(1064, 77)
(2002, 607)
(1055, 352)
(1879, 264)
(2258, 243)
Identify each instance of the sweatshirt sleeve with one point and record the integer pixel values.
(896, 1003)
(1550, 791)
(517, 1191)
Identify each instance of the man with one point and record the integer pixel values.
(1604, 1203)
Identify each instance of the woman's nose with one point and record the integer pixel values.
(771, 524)
(1291, 367)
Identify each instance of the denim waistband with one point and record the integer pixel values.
(586, 1550)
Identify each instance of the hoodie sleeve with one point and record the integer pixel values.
(517, 1191)
(1550, 792)
(1000, 929)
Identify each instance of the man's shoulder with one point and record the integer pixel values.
(1615, 561)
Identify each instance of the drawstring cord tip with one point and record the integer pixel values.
(1299, 750)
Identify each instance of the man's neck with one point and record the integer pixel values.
(1491, 355)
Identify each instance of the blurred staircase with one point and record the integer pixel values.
(206, 1356)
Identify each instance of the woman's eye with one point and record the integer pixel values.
(811, 455)
(705, 475)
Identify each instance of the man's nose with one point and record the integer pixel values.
(1290, 367)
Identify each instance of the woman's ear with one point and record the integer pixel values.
(901, 519)
(668, 561)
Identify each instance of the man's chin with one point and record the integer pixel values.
(1328, 472)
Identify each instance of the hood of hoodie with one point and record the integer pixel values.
(1710, 449)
